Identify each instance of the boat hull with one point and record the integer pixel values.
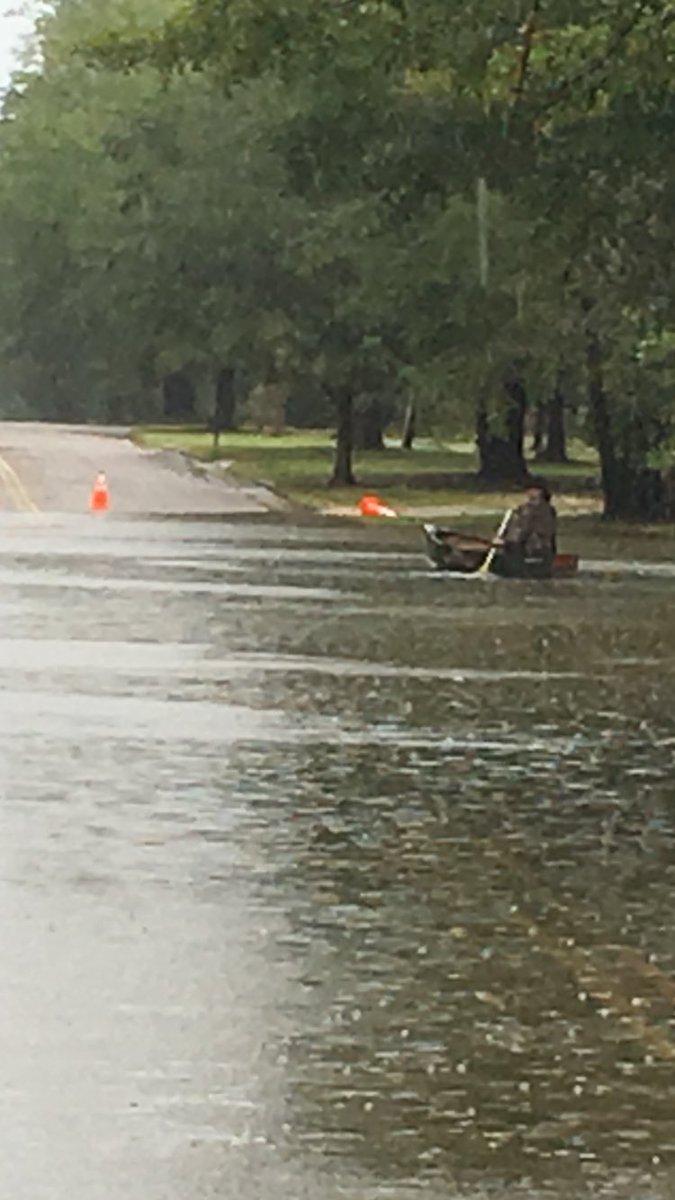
(463, 554)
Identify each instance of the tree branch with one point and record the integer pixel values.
(586, 72)
(528, 31)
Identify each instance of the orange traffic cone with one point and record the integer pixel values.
(372, 506)
(100, 496)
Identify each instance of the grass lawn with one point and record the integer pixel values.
(434, 480)
(297, 465)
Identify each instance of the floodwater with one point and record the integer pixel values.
(324, 877)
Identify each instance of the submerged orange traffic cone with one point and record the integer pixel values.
(100, 496)
(372, 506)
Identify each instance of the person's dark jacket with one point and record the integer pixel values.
(532, 529)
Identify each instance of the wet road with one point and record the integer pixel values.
(52, 468)
(322, 877)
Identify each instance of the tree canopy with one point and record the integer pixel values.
(449, 204)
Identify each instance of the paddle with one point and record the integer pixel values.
(484, 568)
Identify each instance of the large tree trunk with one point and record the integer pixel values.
(343, 474)
(554, 450)
(636, 493)
(556, 437)
(632, 491)
(669, 492)
(180, 398)
(501, 457)
(599, 410)
(539, 431)
(515, 415)
(409, 426)
(225, 404)
(369, 426)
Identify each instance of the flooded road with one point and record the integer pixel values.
(322, 877)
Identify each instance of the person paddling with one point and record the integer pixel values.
(528, 546)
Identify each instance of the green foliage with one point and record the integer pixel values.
(291, 190)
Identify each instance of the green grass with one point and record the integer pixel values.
(297, 465)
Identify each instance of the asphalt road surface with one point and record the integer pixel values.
(52, 468)
(131, 999)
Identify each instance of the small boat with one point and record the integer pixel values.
(464, 554)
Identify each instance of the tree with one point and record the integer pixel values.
(544, 82)
(225, 405)
(553, 447)
(409, 426)
(180, 398)
(348, 200)
(137, 241)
